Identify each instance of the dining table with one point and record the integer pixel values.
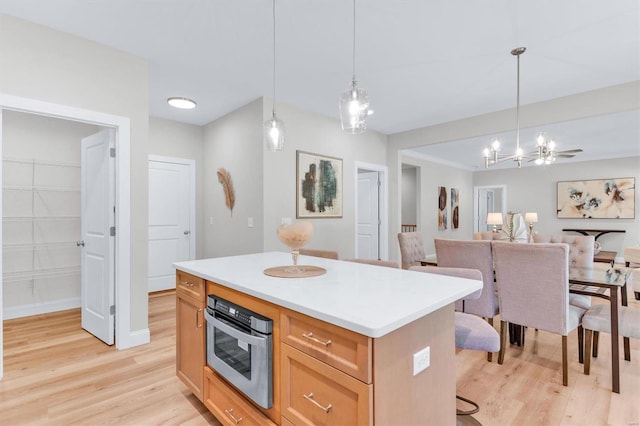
(597, 281)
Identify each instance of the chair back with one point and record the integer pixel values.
(472, 274)
(581, 247)
(533, 285)
(386, 263)
(327, 254)
(471, 254)
(489, 236)
(411, 248)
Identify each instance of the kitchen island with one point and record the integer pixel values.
(344, 342)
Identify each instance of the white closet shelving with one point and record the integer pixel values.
(41, 224)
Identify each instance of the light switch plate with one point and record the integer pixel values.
(421, 360)
(250, 222)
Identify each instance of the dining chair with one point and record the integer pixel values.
(386, 263)
(533, 291)
(471, 331)
(598, 319)
(472, 254)
(632, 260)
(327, 254)
(581, 252)
(489, 236)
(411, 248)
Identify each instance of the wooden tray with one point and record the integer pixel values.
(286, 272)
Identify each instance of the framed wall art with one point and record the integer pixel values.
(318, 186)
(596, 199)
(455, 207)
(442, 207)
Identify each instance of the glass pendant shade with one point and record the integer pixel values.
(274, 133)
(354, 109)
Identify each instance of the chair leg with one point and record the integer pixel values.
(637, 295)
(503, 340)
(565, 362)
(596, 334)
(580, 344)
(627, 349)
(490, 354)
(467, 412)
(587, 351)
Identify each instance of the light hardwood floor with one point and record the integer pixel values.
(55, 373)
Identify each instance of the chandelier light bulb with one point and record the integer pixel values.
(485, 152)
(540, 139)
(551, 145)
(539, 161)
(495, 145)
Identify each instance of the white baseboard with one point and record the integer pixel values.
(40, 308)
(135, 338)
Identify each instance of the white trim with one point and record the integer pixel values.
(383, 202)
(139, 337)
(41, 308)
(124, 337)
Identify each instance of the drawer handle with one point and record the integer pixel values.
(230, 414)
(310, 398)
(187, 283)
(310, 336)
(198, 325)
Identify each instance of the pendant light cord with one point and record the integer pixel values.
(518, 107)
(354, 40)
(273, 110)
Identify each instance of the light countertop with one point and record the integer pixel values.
(366, 299)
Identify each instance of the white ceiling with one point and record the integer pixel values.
(422, 62)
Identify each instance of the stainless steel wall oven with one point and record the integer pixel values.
(240, 348)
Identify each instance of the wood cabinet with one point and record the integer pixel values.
(230, 407)
(190, 332)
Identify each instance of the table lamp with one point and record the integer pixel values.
(494, 219)
(531, 218)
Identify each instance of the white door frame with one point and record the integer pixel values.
(383, 203)
(124, 337)
(476, 201)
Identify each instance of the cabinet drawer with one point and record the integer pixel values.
(229, 407)
(190, 284)
(345, 350)
(315, 393)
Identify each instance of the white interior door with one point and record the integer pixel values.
(97, 188)
(485, 205)
(368, 216)
(171, 214)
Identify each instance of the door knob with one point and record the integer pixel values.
(187, 232)
(79, 243)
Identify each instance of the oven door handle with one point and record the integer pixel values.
(235, 332)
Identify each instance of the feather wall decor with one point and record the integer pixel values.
(229, 195)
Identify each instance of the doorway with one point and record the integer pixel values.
(121, 125)
(488, 199)
(172, 218)
(371, 211)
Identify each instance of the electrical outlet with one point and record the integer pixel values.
(421, 360)
(285, 221)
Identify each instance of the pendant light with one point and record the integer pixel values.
(274, 127)
(354, 103)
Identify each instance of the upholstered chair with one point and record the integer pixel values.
(598, 319)
(471, 331)
(327, 254)
(473, 255)
(489, 236)
(581, 252)
(411, 248)
(386, 263)
(632, 260)
(533, 291)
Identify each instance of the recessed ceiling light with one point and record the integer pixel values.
(182, 103)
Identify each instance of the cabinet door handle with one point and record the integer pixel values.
(230, 414)
(310, 398)
(198, 325)
(310, 336)
(187, 284)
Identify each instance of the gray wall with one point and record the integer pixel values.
(533, 189)
(409, 199)
(172, 139)
(39, 63)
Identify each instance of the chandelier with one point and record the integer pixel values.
(545, 152)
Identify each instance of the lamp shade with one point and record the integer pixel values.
(494, 219)
(531, 217)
